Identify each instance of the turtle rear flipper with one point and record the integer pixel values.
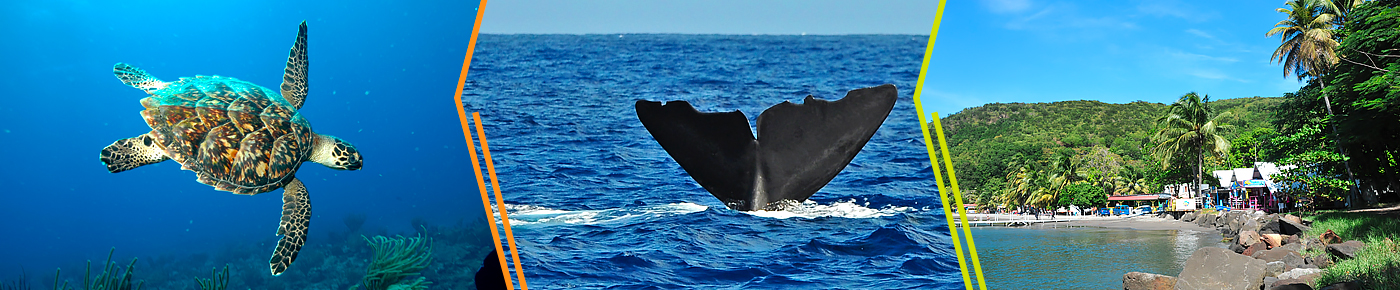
(137, 78)
(294, 78)
(130, 153)
(296, 217)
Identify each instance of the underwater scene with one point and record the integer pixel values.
(381, 77)
(595, 202)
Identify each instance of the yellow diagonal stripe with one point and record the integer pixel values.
(948, 163)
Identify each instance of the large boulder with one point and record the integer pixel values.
(1346, 250)
(1288, 226)
(1189, 217)
(1216, 268)
(1147, 281)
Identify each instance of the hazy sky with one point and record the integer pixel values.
(987, 51)
(710, 17)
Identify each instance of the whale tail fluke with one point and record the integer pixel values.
(799, 148)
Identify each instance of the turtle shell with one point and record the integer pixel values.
(237, 136)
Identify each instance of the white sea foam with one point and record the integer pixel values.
(531, 214)
(845, 209)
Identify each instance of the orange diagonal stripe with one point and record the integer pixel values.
(471, 146)
(500, 200)
(490, 218)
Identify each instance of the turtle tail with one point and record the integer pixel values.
(296, 218)
(137, 78)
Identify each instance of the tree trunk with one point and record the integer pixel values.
(1200, 159)
(1355, 189)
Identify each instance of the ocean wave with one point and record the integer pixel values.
(843, 209)
(526, 215)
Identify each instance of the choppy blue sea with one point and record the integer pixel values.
(596, 203)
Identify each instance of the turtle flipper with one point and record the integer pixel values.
(137, 78)
(296, 217)
(294, 78)
(130, 153)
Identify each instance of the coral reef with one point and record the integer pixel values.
(111, 278)
(456, 251)
(217, 282)
(395, 259)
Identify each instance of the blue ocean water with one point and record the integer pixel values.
(596, 203)
(382, 76)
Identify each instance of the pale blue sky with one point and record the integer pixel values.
(988, 50)
(1111, 51)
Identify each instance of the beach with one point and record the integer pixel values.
(1134, 222)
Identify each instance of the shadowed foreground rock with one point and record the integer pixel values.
(1147, 281)
(1216, 268)
(1346, 250)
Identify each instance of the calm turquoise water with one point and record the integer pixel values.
(1081, 258)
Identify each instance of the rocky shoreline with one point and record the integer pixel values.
(1266, 252)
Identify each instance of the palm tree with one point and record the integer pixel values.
(1308, 47)
(1189, 129)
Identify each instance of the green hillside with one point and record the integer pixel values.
(989, 141)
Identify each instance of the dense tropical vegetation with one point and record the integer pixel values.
(1029, 154)
(1340, 131)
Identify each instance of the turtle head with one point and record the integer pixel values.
(335, 153)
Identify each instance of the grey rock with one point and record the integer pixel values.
(1291, 247)
(1189, 217)
(1288, 257)
(1321, 261)
(1346, 250)
(1247, 237)
(1250, 224)
(1292, 240)
(1273, 268)
(1290, 284)
(1237, 248)
(1287, 226)
(1217, 268)
(1299, 272)
(1147, 281)
(1270, 280)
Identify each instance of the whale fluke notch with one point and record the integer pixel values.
(799, 148)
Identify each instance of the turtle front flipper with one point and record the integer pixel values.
(137, 78)
(130, 153)
(296, 217)
(294, 78)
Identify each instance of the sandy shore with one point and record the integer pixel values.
(1150, 223)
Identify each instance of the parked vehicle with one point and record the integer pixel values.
(1121, 210)
(1146, 209)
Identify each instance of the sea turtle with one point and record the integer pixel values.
(237, 137)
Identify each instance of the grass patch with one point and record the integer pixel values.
(1378, 264)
